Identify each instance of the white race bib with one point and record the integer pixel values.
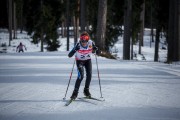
(84, 53)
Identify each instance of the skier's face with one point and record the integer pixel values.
(84, 43)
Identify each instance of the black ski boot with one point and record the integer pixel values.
(87, 93)
(74, 95)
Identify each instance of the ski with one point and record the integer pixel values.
(69, 102)
(81, 98)
(92, 98)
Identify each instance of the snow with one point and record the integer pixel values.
(33, 85)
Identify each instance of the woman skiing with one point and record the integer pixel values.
(83, 50)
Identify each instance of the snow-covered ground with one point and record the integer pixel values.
(147, 51)
(33, 85)
(26, 40)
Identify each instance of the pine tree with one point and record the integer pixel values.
(43, 21)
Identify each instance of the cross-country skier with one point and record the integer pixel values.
(83, 50)
(20, 48)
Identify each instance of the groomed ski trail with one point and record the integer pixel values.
(32, 86)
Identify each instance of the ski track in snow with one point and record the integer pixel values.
(33, 85)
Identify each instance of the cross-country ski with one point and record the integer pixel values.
(92, 98)
(69, 102)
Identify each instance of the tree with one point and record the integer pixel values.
(101, 24)
(19, 14)
(76, 14)
(127, 30)
(43, 19)
(10, 20)
(179, 31)
(141, 35)
(14, 20)
(156, 53)
(173, 32)
(161, 22)
(136, 23)
(114, 23)
(67, 22)
(83, 14)
(104, 29)
(92, 8)
(4, 12)
(152, 31)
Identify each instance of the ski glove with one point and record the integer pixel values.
(95, 48)
(77, 47)
(71, 53)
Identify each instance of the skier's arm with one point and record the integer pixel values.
(25, 47)
(73, 51)
(17, 48)
(94, 46)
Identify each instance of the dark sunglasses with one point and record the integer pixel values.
(84, 41)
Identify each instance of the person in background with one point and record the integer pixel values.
(20, 48)
(83, 50)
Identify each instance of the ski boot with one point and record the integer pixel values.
(87, 93)
(74, 95)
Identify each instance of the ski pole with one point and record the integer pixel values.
(98, 75)
(69, 80)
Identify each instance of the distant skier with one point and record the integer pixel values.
(20, 48)
(83, 50)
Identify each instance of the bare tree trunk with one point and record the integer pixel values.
(76, 23)
(21, 16)
(101, 24)
(63, 19)
(42, 40)
(127, 30)
(42, 32)
(152, 32)
(77, 19)
(75, 29)
(141, 39)
(10, 21)
(14, 20)
(132, 49)
(67, 24)
(156, 55)
(179, 30)
(139, 51)
(170, 32)
(83, 14)
(176, 22)
(62, 29)
(173, 32)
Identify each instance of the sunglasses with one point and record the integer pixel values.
(84, 37)
(84, 41)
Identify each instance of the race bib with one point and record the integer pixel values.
(84, 53)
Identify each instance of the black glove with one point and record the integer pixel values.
(77, 47)
(95, 48)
